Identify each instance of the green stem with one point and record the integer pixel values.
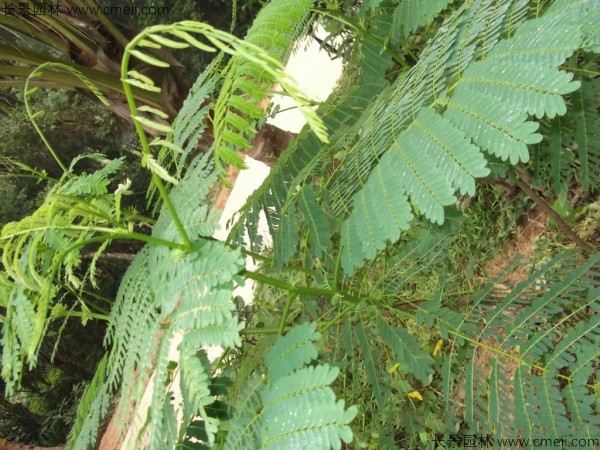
(302, 290)
(89, 315)
(337, 318)
(276, 282)
(91, 240)
(89, 304)
(144, 140)
(286, 310)
(265, 330)
(593, 73)
(110, 234)
(37, 127)
(217, 366)
(338, 264)
(560, 223)
(37, 177)
(260, 257)
(106, 300)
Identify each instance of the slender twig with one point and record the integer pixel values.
(338, 265)
(82, 314)
(302, 290)
(144, 141)
(110, 255)
(286, 310)
(337, 318)
(560, 223)
(265, 330)
(32, 118)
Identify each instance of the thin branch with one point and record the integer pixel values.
(560, 223)
(109, 255)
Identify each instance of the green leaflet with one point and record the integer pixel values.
(293, 352)
(316, 220)
(379, 390)
(500, 131)
(90, 394)
(547, 48)
(370, 221)
(189, 124)
(300, 391)
(149, 59)
(530, 88)
(587, 134)
(412, 14)
(95, 183)
(579, 405)
(408, 351)
(488, 104)
(153, 124)
(195, 389)
(287, 232)
(569, 150)
(281, 411)
(428, 162)
(246, 80)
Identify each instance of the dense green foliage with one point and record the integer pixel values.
(364, 270)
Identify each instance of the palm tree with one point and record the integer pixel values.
(90, 43)
(93, 44)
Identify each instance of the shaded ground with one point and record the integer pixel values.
(529, 227)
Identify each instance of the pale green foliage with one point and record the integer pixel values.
(185, 293)
(88, 398)
(254, 66)
(527, 83)
(43, 250)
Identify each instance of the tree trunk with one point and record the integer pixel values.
(269, 143)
